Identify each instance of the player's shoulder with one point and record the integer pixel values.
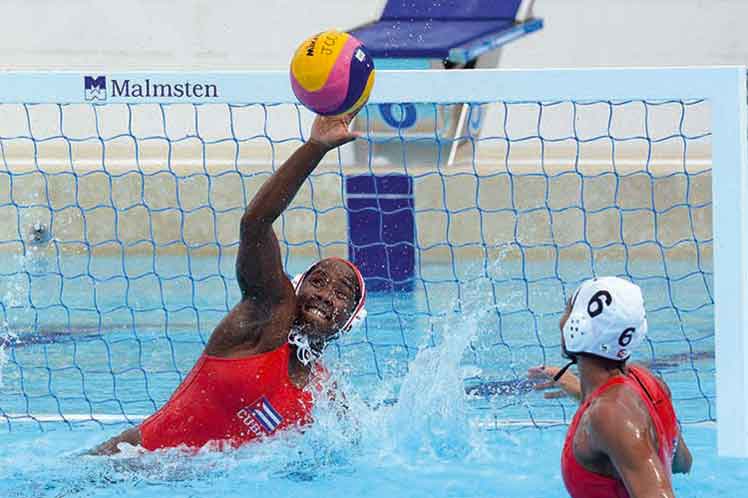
(613, 398)
(618, 421)
(617, 406)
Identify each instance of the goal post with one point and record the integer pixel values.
(730, 212)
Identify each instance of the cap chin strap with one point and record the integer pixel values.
(306, 351)
(564, 369)
(356, 320)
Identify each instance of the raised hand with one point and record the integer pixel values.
(567, 385)
(333, 131)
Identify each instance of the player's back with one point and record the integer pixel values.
(581, 482)
(666, 422)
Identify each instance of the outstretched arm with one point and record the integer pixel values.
(258, 265)
(130, 436)
(567, 385)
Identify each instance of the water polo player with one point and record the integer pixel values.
(250, 380)
(624, 440)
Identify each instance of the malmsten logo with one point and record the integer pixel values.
(147, 88)
(95, 88)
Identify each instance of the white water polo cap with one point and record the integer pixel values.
(607, 319)
(358, 315)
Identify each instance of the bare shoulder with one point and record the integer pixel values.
(616, 412)
(253, 326)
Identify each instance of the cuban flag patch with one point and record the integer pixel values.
(265, 414)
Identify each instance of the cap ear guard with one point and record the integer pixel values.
(356, 320)
(577, 333)
(296, 281)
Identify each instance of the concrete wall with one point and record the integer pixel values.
(115, 192)
(635, 33)
(253, 34)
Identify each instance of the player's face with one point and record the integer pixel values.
(327, 298)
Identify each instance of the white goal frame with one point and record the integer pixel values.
(723, 87)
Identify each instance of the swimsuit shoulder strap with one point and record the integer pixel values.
(613, 381)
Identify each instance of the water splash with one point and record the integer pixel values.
(428, 416)
(15, 296)
(11, 291)
(431, 413)
(418, 422)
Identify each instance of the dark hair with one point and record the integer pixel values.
(615, 364)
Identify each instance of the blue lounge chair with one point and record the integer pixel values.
(438, 34)
(455, 31)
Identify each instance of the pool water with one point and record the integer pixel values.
(435, 383)
(517, 464)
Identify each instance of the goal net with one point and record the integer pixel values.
(475, 198)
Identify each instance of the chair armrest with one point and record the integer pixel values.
(492, 41)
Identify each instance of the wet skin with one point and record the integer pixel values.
(326, 298)
(616, 436)
(270, 307)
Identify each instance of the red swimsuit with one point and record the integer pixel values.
(582, 483)
(229, 400)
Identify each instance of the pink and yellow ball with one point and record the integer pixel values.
(332, 73)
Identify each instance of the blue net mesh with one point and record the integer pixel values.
(120, 229)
